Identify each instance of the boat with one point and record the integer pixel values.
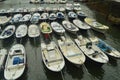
(70, 27)
(69, 7)
(92, 52)
(4, 20)
(72, 15)
(63, 1)
(16, 18)
(57, 28)
(25, 18)
(7, 32)
(34, 1)
(3, 11)
(71, 52)
(81, 15)
(96, 25)
(61, 9)
(11, 10)
(81, 25)
(35, 18)
(45, 28)
(52, 57)
(52, 17)
(77, 7)
(41, 9)
(21, 31)
(60, 15)
(15, 63)
(44, 16)
(3, 54)
(33, 31)
(109, 50)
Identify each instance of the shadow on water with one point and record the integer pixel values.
(113, 62)
(51, 75)
(96, 71)
(22, 40)
(35, 41)
(75, 71)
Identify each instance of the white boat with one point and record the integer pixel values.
(62, 1)
(41, 9)
(60, 15)
(15, 63)
(96, 25)
(7, 32)
(77, 7)
(52, 16)
(58, 28)
(11, 10)
(3, 54)
(16, 18)
(81, 15)
(69, 6)
(70, 27)
(4, 20)
(35, 18)
(109, 50)
(52, 57)
(21, 31)
(72, 15)
(61, 9)
(44, 16)
(25, 18)
(92, 51)
(33, 31)
(71, 52)
(34, 1)
(81, 25)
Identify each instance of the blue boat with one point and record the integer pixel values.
(110, 51)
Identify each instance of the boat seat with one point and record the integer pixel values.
(15, 66)
(73, 55)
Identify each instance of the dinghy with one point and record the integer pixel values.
(44, 16)
(4, 20)
(62, 1)
(70, 27)
(21, 31)
(33, 31)
(96, 25)
(60, 15)
(69, 6)
(57, 28)
(81, 25)
(25, 18)
(15, 63)
(77, 7)
(35, 18)
(7, 32)
(16, 18)
(3, 53)
(91, 51)
(52, 57)
(45, 28)
(72, 15)
(61, 9)
(109, 50)
(52, 16)
(71, 52)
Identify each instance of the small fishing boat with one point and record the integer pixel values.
(34, 1)
(52, 17)
(15, 63)
(45, 28)
(16, 18)
(41, 9)
(3, 53)
(11, 10)
(72, 15)
(60, 15)
(69, 7)
(3, 11)
(71, 52)
(109, 50)
(96, 25)
(63, 1)
(25, 18)
(81, 15)
(61, 9)
(77, 7)
(35, 18)
(7, 32)
(81, 25)
(21, 31)
(44, 16)
(92, 52)
(70, 27)
(52, 57)
(4, 20)
(33, 31)
(57, 28)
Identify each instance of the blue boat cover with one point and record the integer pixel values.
(17, 60)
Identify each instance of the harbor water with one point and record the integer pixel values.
(36, 69)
